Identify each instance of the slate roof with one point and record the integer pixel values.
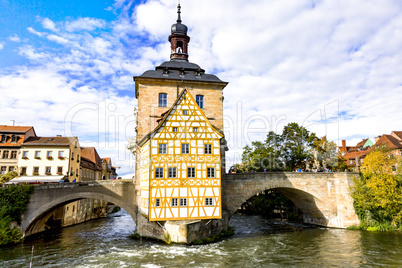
(180, 70)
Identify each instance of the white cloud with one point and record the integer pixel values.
(49, 24)
(1, 46)
(57, 39)
(285, 61)
(87, 24)
(33, 31)
(14, 38)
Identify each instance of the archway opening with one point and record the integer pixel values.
(272, 205)
(72, 212)
(275, 209)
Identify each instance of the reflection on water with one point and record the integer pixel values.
(257, 243)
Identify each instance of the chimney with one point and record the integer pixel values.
(377, 138)
(344, 145)
(12, 122)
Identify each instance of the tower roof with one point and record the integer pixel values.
(179, 28)
(179, 68)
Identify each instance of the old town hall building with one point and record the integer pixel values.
(180, 143)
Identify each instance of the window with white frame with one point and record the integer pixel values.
(162, 148)
(195, 129)
(5, 154)
(351, 162)
(61, 154)
(3, 170)
(25, 154)
(157, 202)
(23, 171)
(185, 112)
(174, 202)
(199, 99)
(207, 148)
(210, 172)
(162, 100)
(208, 201)
(49, 154)
(185, 148)
(159, 172)
(191, 172)
(175, 129)
(183, 202)
(60, 170)
(172, 172)
(37, 154)
(48, 170)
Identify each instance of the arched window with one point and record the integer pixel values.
(162, 100)
(179, 47)
(200, 100)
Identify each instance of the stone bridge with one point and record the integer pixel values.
(50, 196)
(323, 198)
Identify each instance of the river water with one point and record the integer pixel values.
(257, 243)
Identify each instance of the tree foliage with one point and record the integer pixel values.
(13, 203)
(378, 193)
(292, 149)
(8, 176)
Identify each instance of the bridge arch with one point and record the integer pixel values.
(45, 199)
(323, 198)
(309, 205)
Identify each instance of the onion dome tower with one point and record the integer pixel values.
(179, 39)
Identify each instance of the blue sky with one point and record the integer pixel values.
(66, 67)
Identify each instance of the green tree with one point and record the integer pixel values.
(378, 193)
(8, 176)
(13, 203)
(326, 152)
(296, 144)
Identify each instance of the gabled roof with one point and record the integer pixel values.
(390, 140)
(49, 141)
(90, 154)
(14, 129)
(361, 144)
(169, 113)
(359, 154)
(397, 134)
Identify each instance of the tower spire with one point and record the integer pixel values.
(179, 39)
(178, 13)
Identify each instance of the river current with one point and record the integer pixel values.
(257, 243)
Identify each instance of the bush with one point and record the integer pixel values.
(13, 203)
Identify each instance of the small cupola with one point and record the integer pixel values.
(179, 39)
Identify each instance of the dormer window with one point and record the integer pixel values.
(165, 71)
(162, 100)
(182, 72)
(14, 138)
(3, 138)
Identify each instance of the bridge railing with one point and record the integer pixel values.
(83, 183)
(288, 174)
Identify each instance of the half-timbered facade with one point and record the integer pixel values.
(181, 165)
